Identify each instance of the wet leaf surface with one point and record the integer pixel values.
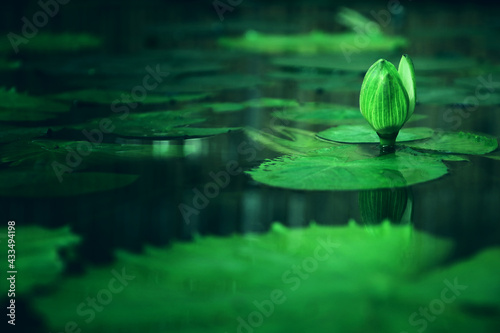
(365, 134)
(458, 143)
(344, 168)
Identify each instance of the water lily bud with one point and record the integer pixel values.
(384, 101)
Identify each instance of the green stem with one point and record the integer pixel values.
(388, 143)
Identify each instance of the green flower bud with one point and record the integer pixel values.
(387, 97)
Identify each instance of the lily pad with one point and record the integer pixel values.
(256, 103)
(225, 107)
(310, 43)
(7, 65)
(58, 183)
(16, 106)
(326, 114)
(438, 64)
(458, 143)
(12, 134)
(292, 140)
(165, 124)
(494, 157)
(365, 134)
(343, 168)
(321, 113)
(160, 124)
(99, 96)
(44, 152)
(362, 267)
(357, 62)
(37, 252)
(452, 95)
(313, 79)
(211, 83)
(50, 42)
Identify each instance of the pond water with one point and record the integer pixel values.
(168, 171)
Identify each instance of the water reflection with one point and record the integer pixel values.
(394, 204)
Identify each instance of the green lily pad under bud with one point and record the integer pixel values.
(387, 98)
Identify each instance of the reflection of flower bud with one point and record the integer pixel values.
(387, 97)
(378, 205)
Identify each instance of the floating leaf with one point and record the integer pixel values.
(160, 124)
(7, 65)
(340, 168)
(332, 62)
(322, 113)
(365, 134)
(15, 106)
(49, 42)
(267, 102)
(166, 124)
(458, 143)
(237, 275)
(16, 183)
(327, 114)
(472, 288)
(99, 96)
(225, 107)
(314, 79)
(442, 64)
(11, 134)
(443, 95)
(211, 83)
(37, 255)
(495, 157)
(45, 152)
(256, 103)
(333, 84)
(313, 42)
(295, 141)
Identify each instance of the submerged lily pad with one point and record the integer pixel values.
(343, 168)
(37, 255)
(256, 103)
(12, 134)
(310, 43)
(211, 83)
(366, 134)
(49, 42)
(16, 106)
(99, 96)
(166, 124)
(7, 65)
(387, 270)
(494, 157)
(326, 114)
(357, 62)
(44, 152)
(58, 183)
(437, 64)
(321, 113)
(444, 95)
(160, 124)
(458, 143)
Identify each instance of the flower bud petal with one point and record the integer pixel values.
(383, 99)
(407, 74)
